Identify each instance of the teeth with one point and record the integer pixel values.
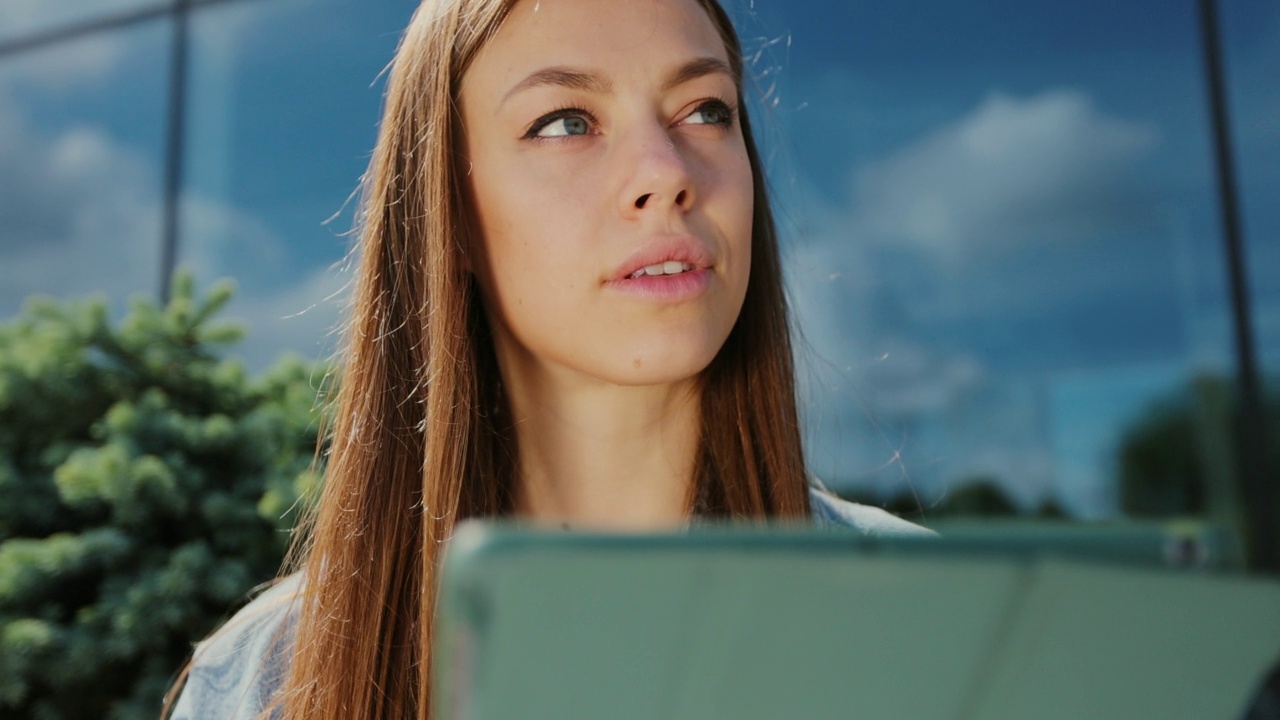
(670, 267)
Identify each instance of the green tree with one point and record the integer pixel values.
(1179, 458)
(145, 488)
(980, 496)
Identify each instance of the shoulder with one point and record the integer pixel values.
(237, 670)
(830, 511)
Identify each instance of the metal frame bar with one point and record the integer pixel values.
(1258, 492)
(175, 138)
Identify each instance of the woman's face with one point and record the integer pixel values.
(611, 188)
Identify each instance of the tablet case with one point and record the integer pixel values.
(734, 623)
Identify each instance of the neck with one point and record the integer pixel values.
(605, 457)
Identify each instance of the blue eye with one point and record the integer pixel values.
(712, 112)
(561, 123)
(565, 126)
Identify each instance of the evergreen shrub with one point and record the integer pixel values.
(146, 486)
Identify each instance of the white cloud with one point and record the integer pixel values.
(81, 214)
(67, 65)
(921, 238)
(224, 31)
(283, 308)
(300, 317)
(1041, 168)
(217, 237)
(218, 36)
(22, 16)
(70, 66)
(80, 211)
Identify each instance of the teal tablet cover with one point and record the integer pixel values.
(733, 623)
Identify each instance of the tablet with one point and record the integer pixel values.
(740, 623)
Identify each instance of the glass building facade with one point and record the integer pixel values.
(1003, 222)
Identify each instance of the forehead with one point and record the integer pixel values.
(634, 39)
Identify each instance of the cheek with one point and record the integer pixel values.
(738, 211)
(525, 203)
(530, 229)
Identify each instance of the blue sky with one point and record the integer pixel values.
(999, 224)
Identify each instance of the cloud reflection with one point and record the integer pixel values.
(910, 296)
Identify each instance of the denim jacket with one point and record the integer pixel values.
(239, 669)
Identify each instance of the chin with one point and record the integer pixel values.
(661, 368)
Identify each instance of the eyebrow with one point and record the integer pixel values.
(695, 69)
(562, 77)
(573, 79)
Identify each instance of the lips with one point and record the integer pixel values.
(665, 255)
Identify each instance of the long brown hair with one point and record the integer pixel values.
(419, 439)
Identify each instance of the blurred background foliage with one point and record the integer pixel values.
(1175, 460)
(147, 484)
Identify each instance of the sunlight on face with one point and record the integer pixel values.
(611, 188)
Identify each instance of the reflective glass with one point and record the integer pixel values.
(24, 18)
(1001, 234)
(81, 155)
(283, 113)
(999, 222)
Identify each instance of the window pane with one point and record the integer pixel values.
(1004, 252)
(81, 148)
(23, 18)
(283, 114)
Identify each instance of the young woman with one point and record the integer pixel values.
(569, 310)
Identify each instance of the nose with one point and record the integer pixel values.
(658, 180)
